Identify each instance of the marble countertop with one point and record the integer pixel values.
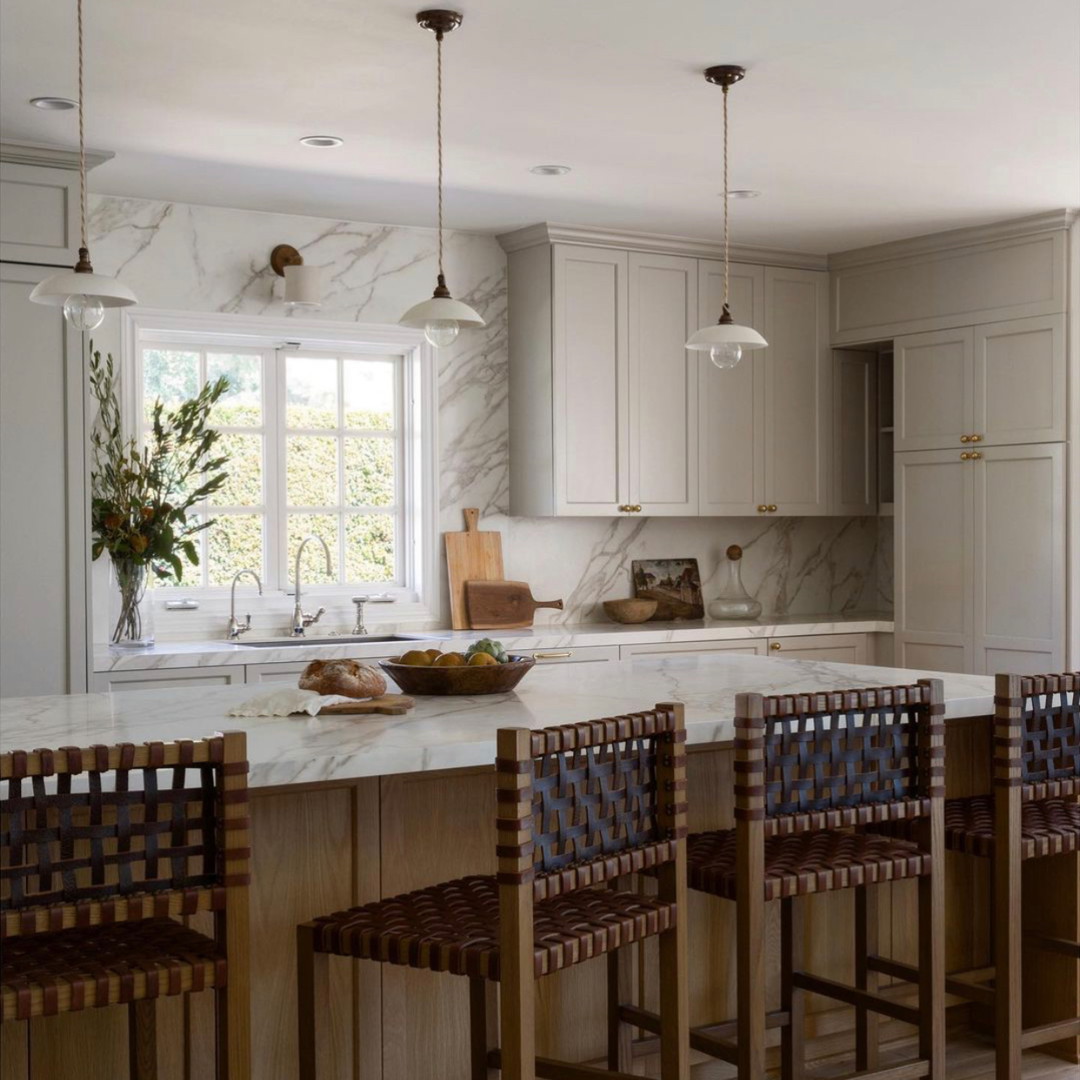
(452, 732)
(217, 653)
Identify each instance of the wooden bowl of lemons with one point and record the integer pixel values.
(484, 669)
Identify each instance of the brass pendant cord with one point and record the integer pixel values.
(438, 140)
(82, 133)
(726, 200)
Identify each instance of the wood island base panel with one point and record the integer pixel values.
(350, 810)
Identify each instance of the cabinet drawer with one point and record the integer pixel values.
(231, 675)
(749, 647)
(834, 648)
(583, 655)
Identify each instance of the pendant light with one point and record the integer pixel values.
(84, 294)
(726, 340)
(442, 316)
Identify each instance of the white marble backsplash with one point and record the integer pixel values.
(200, 258)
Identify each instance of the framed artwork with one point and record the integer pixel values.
(675, 585)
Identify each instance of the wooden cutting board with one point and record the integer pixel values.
(471, 555)
(500, 605)
(389, 704)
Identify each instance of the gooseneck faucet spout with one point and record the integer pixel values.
(236, 628)
(301, 620)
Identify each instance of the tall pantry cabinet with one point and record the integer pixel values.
(43, 470)
(980, 396)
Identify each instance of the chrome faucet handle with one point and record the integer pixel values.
(303, 619)
(236, 628)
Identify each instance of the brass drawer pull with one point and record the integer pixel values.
(552, 655)
(776, 646)
(976, 438)
(772, 508)
(762, 509)
(975, 455)
(965, 438)
(631, 508)
(965, 456)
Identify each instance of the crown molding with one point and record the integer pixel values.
(1049, 221)
(49, 155)
(659, 243)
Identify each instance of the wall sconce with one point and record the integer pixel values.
(303, 284)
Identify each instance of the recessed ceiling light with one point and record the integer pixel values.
(321, 140)
(550, 170)
(53, 104)
(741, 193)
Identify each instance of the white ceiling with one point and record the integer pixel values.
(860, 120)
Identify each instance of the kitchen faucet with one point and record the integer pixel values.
(236, 628)
(301, 620)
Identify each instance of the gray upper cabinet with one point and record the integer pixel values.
(798, 392)
(39, 214)
(1019, 381)
(663, 384)
(610, 414)
(731, 404)
(934, 389)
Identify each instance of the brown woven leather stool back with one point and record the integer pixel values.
(102, 850)
(1037, 736)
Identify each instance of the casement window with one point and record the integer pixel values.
(330, 434)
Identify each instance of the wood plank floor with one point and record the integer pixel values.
(970, 1057)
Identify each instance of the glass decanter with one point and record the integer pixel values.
(734, 602)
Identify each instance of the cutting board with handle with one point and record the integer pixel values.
(498, 605)
(471, 555)
(389, 704)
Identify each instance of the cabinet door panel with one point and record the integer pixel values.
(933, 560)
(933, 389)
(798, 396)
(663, 384)
(831, 648)
(731, 404)
(1020, 381)
(747, 646)
(1020, 557)
(164, 678)
(590, 384)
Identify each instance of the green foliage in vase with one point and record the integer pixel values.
(142, 500)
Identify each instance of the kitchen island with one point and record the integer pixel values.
(347, 810)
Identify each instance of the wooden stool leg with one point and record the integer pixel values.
(932, 969)
(674, 976)
(483, 1023)
(312, 1001)
(1008, 933)
(620, 984)
(142, 1040)
(792, 1000)
(866, 944)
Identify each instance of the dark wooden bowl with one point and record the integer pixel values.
(465, 680)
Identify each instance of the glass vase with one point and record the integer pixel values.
(734, 602)
(131, 614)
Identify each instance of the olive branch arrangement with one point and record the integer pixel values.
(141, 498)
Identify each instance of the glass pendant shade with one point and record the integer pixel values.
(440, 317)
(83, 296)
(725, 342)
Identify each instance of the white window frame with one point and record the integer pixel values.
(417, 595)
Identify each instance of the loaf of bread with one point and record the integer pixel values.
(346, 677)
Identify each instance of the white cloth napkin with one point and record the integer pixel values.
(287, 701)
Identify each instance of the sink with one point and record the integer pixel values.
(344, 639)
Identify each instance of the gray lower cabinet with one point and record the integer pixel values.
(163, 678)
(831, 648)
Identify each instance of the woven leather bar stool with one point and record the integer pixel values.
(1030, 815)
(579, 807)
(810, 771)
(106, 852)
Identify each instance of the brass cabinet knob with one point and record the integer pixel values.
(975, 455)
(762, 509)
(775, 646)
(976, 438)
(772, 508)
(637, 508)
(965, 456)
(965, 438)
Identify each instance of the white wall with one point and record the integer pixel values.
(198, 258)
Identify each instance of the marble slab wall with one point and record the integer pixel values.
(200, 258)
